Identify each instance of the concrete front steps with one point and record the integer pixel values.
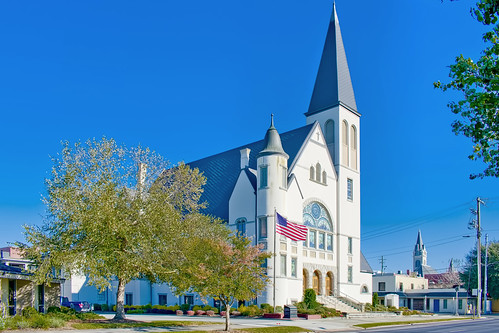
(338, 303)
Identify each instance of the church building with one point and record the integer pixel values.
(309, 175)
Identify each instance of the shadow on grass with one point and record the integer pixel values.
(96, 324)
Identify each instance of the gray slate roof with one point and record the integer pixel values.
(364, 265)
(333, 85)
(428, 270)
(222, 170)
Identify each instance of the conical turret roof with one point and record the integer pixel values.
(333, 85)
(272, 141)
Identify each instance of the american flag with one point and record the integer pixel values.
(291, 230)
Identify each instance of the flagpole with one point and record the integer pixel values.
(275, 241)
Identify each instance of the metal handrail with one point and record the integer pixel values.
(346, 299)
(351, 301)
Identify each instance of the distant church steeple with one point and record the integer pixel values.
(419, 255)
(333, 85)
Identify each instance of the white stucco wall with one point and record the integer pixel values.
(242, 205)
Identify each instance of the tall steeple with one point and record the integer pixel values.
(419, 256)
(333, 85)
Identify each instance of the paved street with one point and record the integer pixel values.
(486, 324)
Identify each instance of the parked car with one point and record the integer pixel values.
(65, 302)
(78, 306)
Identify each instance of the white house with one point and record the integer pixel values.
(309, 175)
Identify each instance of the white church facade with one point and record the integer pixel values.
(309, 175)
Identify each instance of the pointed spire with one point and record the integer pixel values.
(272, 141)
(333, 85)
(419, 242)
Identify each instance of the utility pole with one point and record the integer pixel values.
(485, 277)
(382, 261)
(478, 258)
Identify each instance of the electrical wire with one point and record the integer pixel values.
(413, 222)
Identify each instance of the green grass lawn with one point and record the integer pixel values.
(280, 329)
(405, 322)
(159, 323)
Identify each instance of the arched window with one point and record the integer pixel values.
(344, 139)
(364, 289)
(241, 226)
(318, 172)
(324, 177)
(353, 146)
(320, 227)
(329, 129)
(312, 173)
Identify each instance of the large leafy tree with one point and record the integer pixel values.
(469, 274)
(223, 266)
(478, 81)
(109, 217)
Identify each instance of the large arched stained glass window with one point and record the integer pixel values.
(320, 227)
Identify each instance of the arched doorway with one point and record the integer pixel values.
(305, 280)
(329, 284)
(316, 283)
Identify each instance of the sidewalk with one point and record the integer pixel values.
(317, 325)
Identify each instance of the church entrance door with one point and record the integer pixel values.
(305, 280)
(316, 283)
(329, 284)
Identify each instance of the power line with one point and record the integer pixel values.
(413, 222)
(430, 242)
(410, 251)
(419, 220)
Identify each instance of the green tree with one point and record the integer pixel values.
(310, 299)
(479, 83)
(109, 217)
(375, 299)
(469, 274)
(222, 266)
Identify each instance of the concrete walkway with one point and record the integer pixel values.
(335, 324)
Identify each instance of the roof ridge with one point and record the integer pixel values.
(246, 145)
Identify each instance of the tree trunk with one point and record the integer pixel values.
(227, 305)
(120, 300)
(227, 319)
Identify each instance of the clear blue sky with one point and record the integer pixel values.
(193, 78)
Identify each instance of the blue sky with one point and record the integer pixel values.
(193, 78)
